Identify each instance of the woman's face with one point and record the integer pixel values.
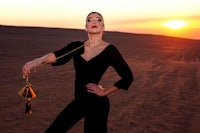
(94, 23)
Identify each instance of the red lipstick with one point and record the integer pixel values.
(94, 26)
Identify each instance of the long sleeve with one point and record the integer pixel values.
(122, 68)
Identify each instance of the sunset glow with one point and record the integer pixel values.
(175, 24)
(120, 15)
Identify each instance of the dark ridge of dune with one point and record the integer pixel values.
(63, 36)
(164, 97)
(38, 30)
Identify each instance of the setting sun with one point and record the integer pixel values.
(175, 24)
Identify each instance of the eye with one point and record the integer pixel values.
(89, 20)
(99, 20)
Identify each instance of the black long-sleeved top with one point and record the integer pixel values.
(91, 71)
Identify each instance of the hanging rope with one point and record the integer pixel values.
(69, 52)
(27, 91)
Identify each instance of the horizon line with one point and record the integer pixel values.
(150, 34)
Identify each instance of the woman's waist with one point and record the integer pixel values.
(85, 95)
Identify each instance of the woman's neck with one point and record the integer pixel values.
(94, 40)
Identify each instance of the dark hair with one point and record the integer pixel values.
(96, 13)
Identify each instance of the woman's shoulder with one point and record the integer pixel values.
(72, 46)
(112, 47)
(75, 44)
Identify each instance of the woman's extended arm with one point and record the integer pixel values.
(31, 65)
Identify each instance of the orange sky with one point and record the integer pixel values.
(142, 16)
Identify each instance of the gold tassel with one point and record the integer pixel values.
(28, 93)
(21, 92)
(32, 92)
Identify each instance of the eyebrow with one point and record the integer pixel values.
(92, 17)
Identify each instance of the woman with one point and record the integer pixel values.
(91, 59)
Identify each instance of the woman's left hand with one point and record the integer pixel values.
(96, 89)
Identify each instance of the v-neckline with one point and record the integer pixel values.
(96, 55)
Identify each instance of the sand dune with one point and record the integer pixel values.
(164, 97)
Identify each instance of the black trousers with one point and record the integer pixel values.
(94, 110)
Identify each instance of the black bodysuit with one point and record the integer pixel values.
(88, 105)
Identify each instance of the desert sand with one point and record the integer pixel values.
(164, 97)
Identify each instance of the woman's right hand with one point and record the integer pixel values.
(26, 69)
(32, 65)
